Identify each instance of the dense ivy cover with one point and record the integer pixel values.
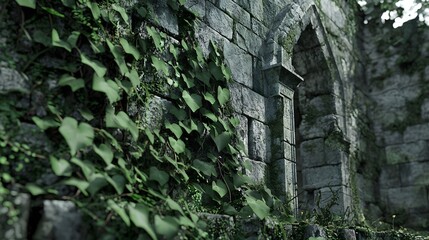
(94, 61)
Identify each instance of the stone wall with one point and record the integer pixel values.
(316, 125)
(265, 43)
(398, 86)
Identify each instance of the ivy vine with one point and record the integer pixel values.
(103, 60)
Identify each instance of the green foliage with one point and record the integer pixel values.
(130, 180)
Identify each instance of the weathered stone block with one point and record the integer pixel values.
(253, 104)
(391, 138)
(347, 234)
(219, 20)
(320, 127)
(416, 133)
(13, 81)
(312, 153)
(259, 28)
(60, 220)
(255, 7)
(333, 12)
(248, 40)
(240, 64)
(205, 34)
(165, 16)
(236, 96)
(339, 196)
(407, 198)
(282, 150)
(372, 212)
(243, 132)
(283, 179)
(414, 174)
(410, 152)
(197, 7)
(425, 109)
(153, 116)
(259, 135)
(319, 177)
(235, 11)
(258, 171)
(365, 188)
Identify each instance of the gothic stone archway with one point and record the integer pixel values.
(309, 159)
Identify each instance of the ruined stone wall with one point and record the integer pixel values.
(308, 120)
(398, 86)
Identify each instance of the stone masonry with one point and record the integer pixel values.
(315, 125)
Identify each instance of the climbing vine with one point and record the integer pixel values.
(95, 63)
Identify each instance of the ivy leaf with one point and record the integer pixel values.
(179, 113)
(174, 51)
(74, 83)
(86, 167)
(121, 11)
(209, 97)
(216, 71)
(86, 113)
(34, 189)
(68, 3)
(222, 95)
(156, 37)
(206, 113)
(192, 100)
(27, 3)
(222, 140)
(60, 167)
(97, 66)
(80, 184)
(240, 180)
(149, 136)
(259, 207)
(72, 39)
(189, 81)
(44, 124)
(134, 77)
(122, 121)
(120, 211)
(42, 38)
(177, 145)
(226, 72)
(119, 57)
(158, 175)
(110, 88)
(139, 215)
(95, 10)
(117, 181)
(160, 65)
(53, 12)
(204, 77)
(56, 41)
(175, 128)
(76, 136)
(207, 168)
(96, 182)
(105, 152)
(220, 187)
(166, 226)
(174, 205)
(130, 49)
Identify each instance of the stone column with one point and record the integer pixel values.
(281, 85)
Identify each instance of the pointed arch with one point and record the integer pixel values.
(308, 156)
